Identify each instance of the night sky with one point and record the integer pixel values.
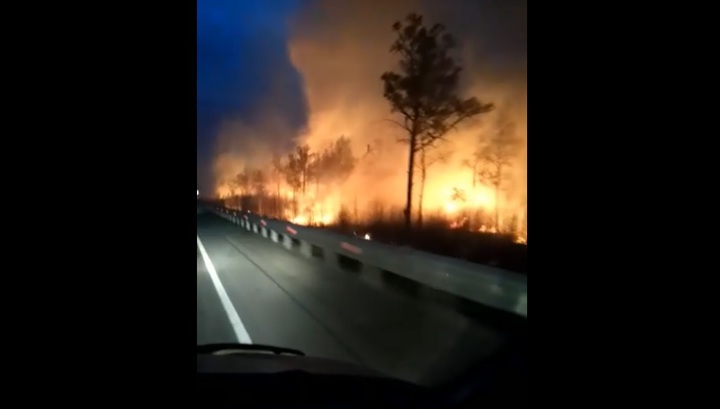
(238, 41)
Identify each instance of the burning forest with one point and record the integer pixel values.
(373, 116)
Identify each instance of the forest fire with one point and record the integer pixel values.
(327, 205)
(346, 166)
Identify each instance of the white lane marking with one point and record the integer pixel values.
(237, 325)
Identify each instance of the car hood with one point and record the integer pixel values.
(258, 363)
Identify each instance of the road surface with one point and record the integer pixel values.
(251, 289)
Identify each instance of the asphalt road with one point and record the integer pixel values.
(282, 298)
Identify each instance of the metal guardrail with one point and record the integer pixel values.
(491, 286)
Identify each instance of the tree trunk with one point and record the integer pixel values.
(302, 182)
(355, 212)
(423, 176)
(497, 197)
(278, 211)
(408, 199)
(497, 208)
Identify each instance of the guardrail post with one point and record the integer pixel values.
(287, 242)
(305, 249)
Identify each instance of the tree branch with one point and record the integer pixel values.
(392, 121)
